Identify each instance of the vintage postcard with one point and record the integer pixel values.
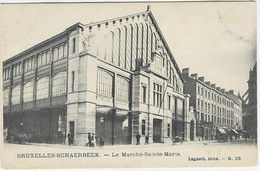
(128, 85)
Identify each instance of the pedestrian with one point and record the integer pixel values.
(138, 139)
(89, 140)
(69, 138)
(146, 139)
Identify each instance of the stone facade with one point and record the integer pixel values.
(109, 80)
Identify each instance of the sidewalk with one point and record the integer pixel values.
(122, 146)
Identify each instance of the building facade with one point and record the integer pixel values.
(214, 107)
(113, 79)
(250, 105)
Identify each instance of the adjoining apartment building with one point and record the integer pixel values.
(217, 111)
(113, 79)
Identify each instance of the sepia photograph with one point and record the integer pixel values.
(128, 85)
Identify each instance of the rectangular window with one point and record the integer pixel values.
(144, 94)
(179, 106)
(168, 130)
(169, 102)
(143, 127)
(198, 90)
(157, 94)
(73, 45)
(72, 80)
(201, 105)
(201, 91)
(198, 104)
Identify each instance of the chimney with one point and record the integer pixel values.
(223, 90)
(185, 71)
(194, 75)
(201, 79)
(218, 88)
(213, 85)
(208, 83)
(231, 91)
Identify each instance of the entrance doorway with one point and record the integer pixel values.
(157, 130)
(71, 123)
(192, 130)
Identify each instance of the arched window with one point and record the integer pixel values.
(109, 46)
(122, 47)
(61, 52)
(134, 46)
(73, 45)
(28, 92)
(104, 83)
(65, 50)
(129, 32)
(145, 44)
(39, 58)
(42, 88)
(59, 84)
(55, 54)
(122, 88)
(6, 97)
(149, 46)
(16, 92)
(44, 59)
(48, 56)
(116, 49)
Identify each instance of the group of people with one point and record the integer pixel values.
(138, 137)
(91, 138)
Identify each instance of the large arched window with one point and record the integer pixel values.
(134, 46)
(28, 92)
(6, 97)
(116, 49)
(122, 47)
(104, 83)
(16, 92)
(42, 88)
(129, 32)
(59, 84)
(122, 88)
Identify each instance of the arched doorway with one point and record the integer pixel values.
(192, 130)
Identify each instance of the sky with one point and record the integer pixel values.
(215, 40)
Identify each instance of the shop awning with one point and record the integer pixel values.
(221, 130)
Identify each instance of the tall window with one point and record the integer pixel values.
(61, 52)
(105, 83)
(28, 92)
(198, 90)
(143, 93)
(42, 88)
(6, 97)
(143, 127)
(59, 84)
(73, 45)
(168, 130)
(16, 92)
(55, 54)
(198, 104)
(201, 106)
(72, 80)
(157, 94)
(122, 88)
(169, 102)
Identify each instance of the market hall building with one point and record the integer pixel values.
(114, 79)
